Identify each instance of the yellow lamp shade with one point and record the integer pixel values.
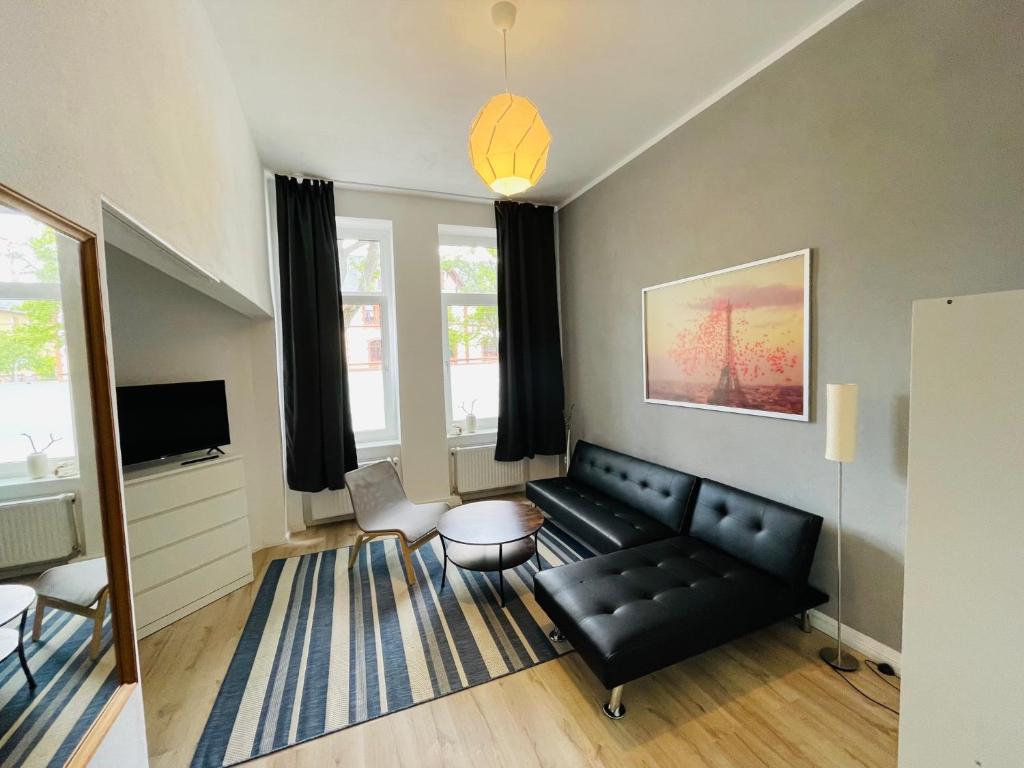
(508, 144)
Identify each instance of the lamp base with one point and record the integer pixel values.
(845, 662)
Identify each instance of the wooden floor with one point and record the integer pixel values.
(764, 700)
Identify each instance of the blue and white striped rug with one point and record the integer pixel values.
(325, 648)
(44, 727)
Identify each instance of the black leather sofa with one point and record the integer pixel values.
(688, 564)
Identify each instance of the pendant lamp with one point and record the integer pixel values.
(508, 141)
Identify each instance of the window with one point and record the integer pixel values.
(367, 288)
(35, 389)
(469, 293)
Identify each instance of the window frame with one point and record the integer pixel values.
(46, 292)
(380, 230)
(476, 237)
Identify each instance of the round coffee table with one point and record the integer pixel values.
(15, 599)
(490, 536)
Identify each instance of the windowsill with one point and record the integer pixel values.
(19, 486)
(392, 443)
(481, 436)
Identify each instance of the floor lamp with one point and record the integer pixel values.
(840, 447)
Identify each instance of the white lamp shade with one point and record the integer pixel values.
(841, 422)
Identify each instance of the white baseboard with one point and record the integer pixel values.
(858, 641)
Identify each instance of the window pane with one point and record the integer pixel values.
(363, 352)
(360, 266)
(473, 358)
(468, 269)
(28, 249)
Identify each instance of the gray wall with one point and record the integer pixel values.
(892, 144)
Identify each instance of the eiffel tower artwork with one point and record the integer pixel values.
(729, 392)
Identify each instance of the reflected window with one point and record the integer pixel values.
(35, 386)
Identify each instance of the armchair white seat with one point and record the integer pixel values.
(383, 509)
(80, 588)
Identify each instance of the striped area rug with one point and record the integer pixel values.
(325, 648)
(44, 727)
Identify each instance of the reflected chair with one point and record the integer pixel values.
(80, 588)
(383, 509)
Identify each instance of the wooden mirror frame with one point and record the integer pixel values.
(108, 471)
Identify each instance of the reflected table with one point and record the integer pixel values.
(15, 599)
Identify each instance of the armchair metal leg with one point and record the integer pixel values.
(615, 709)
(805, 621)
(556, 636)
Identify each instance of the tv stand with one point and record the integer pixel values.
(189, 538)
(213, 453)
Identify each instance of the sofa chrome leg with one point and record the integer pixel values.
(615, 709)
(556, 636)
(805, 621)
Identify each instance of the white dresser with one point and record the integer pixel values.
(188, 537)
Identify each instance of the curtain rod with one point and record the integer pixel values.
(383, 188)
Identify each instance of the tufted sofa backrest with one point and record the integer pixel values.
(771, 536)
(661, 493)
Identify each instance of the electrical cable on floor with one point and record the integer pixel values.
(883, 676)
(858, 690)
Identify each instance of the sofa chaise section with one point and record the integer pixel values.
(740, 565)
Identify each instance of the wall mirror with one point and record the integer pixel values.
(67, 650)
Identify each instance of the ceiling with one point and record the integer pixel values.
(382, 92)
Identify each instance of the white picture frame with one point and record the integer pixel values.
(730, 394)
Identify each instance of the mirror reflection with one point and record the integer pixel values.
(57, 668)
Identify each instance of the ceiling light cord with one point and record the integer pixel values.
(504, 46)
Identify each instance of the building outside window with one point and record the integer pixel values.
(367, 287)
(469, 290)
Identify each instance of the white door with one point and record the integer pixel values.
(963, 618)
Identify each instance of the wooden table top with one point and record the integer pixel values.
(490, 522)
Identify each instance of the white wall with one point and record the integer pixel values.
(133, 101)
(963, 682)
(415, 219)
(165, 331)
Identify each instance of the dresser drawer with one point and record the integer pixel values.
(147, 496)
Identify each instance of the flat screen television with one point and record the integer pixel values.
(157, 421)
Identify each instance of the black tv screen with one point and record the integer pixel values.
(160, 420)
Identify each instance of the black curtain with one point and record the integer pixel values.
(531, 393)
(319, 442)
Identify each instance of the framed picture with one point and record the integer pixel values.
(733, 340)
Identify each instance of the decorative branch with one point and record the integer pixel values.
(31, 441)
(45, 447)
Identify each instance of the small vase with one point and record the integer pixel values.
(470, 423)
(38, 465)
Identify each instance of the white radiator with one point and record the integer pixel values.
(328, 505)
(476, 470)
(37, 531)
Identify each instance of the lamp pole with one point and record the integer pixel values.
(840, 447)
